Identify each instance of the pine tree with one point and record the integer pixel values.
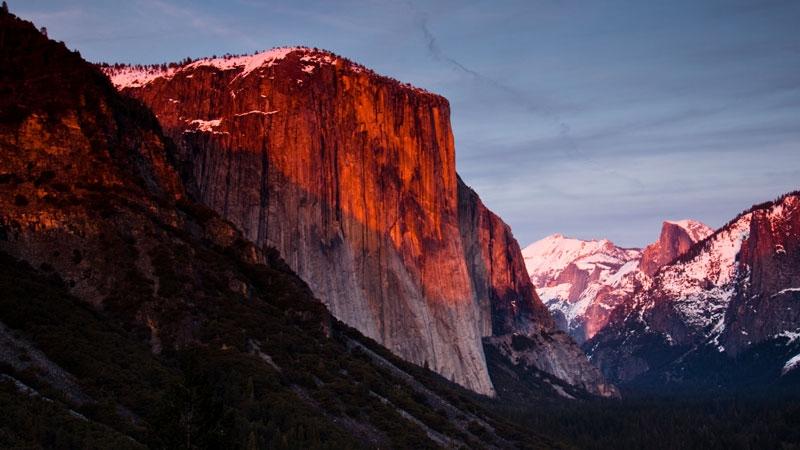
(5, 8)
(252, 441)
(249, 393)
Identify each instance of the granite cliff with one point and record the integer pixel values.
(133, 317)
(675, 239)
(351, 176)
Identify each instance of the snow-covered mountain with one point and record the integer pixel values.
(581, 281)
(735, 294)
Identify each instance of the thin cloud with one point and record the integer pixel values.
(67, 14)
(563, 128)
(198, 20)
(699, 100)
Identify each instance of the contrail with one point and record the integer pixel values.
(563, 128)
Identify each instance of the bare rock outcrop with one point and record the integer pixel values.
(675, 239)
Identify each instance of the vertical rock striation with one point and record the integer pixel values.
(507, 299)
(514, 319)
(675, 239)
(351, 176)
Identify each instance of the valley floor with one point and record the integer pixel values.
(767, 421)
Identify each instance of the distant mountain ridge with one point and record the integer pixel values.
(581, 282)
(695, 310)
(725, 312)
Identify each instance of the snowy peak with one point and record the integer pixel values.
(696, 230)
(734, 290)
(580, 281)
(701, 285)
(546, 258)
(749, 258)
(675, 239)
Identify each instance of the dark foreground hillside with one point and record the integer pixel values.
(73, 378)
(130, 316)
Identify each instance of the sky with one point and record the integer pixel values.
(594, 119)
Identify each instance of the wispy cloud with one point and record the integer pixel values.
(597, 119)
(522, 97)
(69, 13)
(198, 20)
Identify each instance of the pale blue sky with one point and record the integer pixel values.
(592, 118)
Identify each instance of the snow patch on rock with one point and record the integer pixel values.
(138, 76)
(702, 287)
(205, 125)
(791, 335)
(791, 364)
(696, 230)
(786, 291)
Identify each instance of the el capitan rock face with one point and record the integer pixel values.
(123, 299)
(581, 282)
(733, 295)
(351, 176)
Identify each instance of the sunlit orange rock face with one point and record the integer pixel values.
(675, 239)
(351, 176)
(498, 271)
